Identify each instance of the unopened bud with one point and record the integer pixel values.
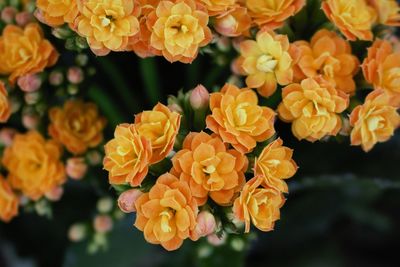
(216, 240)
(7, 136)
(206, 223)
(8, 14)
(75, 75)
(175, 107)
(56, 78)
(82, 59)
(29, 83)
(77, 232)
(55, 194)
(346, 127)
(23, 18)
(30, 121)
(102, 223)
(237, 244)
(104, 205)
(94, 157)
(126, 201)
(76, 168)
(199, 97)
(32, 98)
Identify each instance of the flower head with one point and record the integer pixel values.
(24, 51)
(374, 121)
(8, 201)
(56, 13)
(5, 110)
(33, 164)
(388, 11)
(167, 214)
(313, 107)
(238, 119)
(218, 7)
(234, 22)
(210, 168)
(77, 125)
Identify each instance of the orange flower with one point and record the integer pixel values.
(313, 107)
(388, 11)
(234, 22)
(218, 7)
(77, 125)
(127, 156)
(107, 25)
(354, 18)
(167, 214)
(266, 61)
(258, 205)
(210, 168)
(178, 29)
(330, 56)
(56, 13)
(374, 121)
(275, 164)
(33, 164)
(273, 14)
(8, 201)
(5, 110)
(381, 68)
(238, 119)
(160, 126)
(24, 51)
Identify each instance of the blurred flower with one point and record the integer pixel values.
(76, 168)
(7, 136)
(56, 78)
(23, 18)
(178, 29)
(34, 164)
(77, 232)
(55, 194)
(388, 11)
(160, 126)
(354, 18)
(29, 82)
(273, 13)
(216, 240)
(217, 7)
(30, 120)
(107, 24)
(275, 164)
(8, 14)
(94, 157)
(127, 156)
(75, 75)
(77, 125)
(5, 109)
(329, 55)
(205, 225)
(167, 213)
(24, 51)
(313, 107)
(126, 201)
(8, 201)
(174, 107)
(374, 121)
(381, 67)
(56, 13)
(32, 98)
(102, 223)
(199, 97)
(266, 62)
(238, 119)
(105, 205)
(234, 22)
(258, 205)
(209, 168)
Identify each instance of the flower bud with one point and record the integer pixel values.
(82, 59)
(55, 194)
(76, 168)
(237, 244)
(346, 127)
(104, 205)
(199, 97)
(75, 75)
(30, 121)
(32, 98)
(215, 240)
(77, 232)
(206, 224)
(94, 157)
(29, 83)
(175, 107)
(23, 18)
(126, 201)
(102, 223)
(8, 14)
(7, 136)
(56, 78)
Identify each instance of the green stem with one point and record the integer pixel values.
(148, 69)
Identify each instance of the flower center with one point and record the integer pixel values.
(266, 63)
(165, 217)
(209, 169)
(374, 123)
(241, 116)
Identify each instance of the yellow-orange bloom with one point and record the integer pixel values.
(313, 107)
(33, 164)
(382, 68)
(5, 110)
(127, 156)
(354, 18)
(107, 25)
(234, 22)
(275, 164)
(273, 13)
(178, 29)
(238, 119)
(8, 201)
(374, 121)
(77, 125)
(258, 205)
(266, 62)
(167, 214)
(330, 56)
(210, 168)
(388, 11)
(160, 126)
(218, 7)
(24, 51)
(56, 12)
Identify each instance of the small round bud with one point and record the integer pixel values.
(215, 240)
(23, 18)
(75, 75)
(76, 168)
(7, 136)
(105, 205)
(126, 201)
(29, 83)
(94, 157)
(55, 194)
(199, 97)
(77, 232)
(30, 121)
(56, 78)
(237, 244)
(32, 98)
(102, 223)
(206, 223)
(72, 89)
(8, 14)
(82, 60)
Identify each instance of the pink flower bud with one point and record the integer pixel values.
(75, 75)
(55, 194)
(206, 224)
(77, 232)
(199, 97)
(215, 240)
(126, 201)
(94, 158)
(29, 83)
(175, 107)
(56, 78)
(7, 136)
(30, 121)
(8, 14)
(23, 18)
(102, 223)
(76, 168)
